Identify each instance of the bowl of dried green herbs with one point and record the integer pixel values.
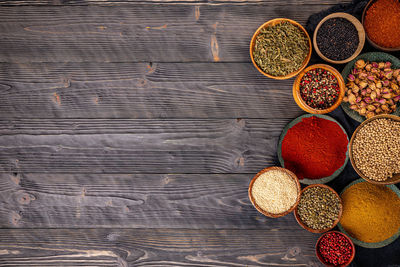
(280, 48)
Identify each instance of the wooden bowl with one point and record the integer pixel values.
(396, 177)
(302, 104)
(387, 49)
(317, 231)
(268, 214)
(321, 259)
(274, 22)
(361, 37)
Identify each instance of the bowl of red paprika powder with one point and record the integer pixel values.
(335, 249)
(314, 147)
(381, 19)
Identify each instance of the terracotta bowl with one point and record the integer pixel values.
(266, 213)
(321, 259)
(387, 49)
(396, 177)
(302, 104)
(361, 37)
(273, 23)
(302, 224)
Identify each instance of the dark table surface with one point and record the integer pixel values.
(130, 130)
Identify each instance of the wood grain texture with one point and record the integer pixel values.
(140, 90)
(191, 201)
(139, 146)
(168, 2)
(138, 33)
(156, 247)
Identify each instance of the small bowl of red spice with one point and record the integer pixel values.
(314, 147)
(319, 89)
(381, 20)
(335, 249)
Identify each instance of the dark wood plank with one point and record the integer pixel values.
(145, 33)
(157, 247)
(168, 2)
(159, 90)
(191, 201)
(139, 146)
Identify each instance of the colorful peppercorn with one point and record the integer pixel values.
(319, 88)
(335, 249)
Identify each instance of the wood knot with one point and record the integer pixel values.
(241, 122)
(26, 198)
(15, 218)
(239, 162)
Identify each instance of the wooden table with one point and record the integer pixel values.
(129, 133)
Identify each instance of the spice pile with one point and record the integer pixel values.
(275, 191)
(314, 148)
(337, 39)
(281, 49)
(319, 88)
(382, 22)
(371, 212)
(376, 149)
(318, 208)
(373, 88)
(335, 249)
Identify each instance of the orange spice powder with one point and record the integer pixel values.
(382, 23)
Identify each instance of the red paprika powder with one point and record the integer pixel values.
(382, 23)
(314, 148)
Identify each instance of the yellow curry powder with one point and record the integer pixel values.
(371, 213)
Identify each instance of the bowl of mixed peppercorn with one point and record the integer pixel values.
(319, 89)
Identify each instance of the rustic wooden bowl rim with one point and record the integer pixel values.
(396, 177)
(362, 243)
(353, 253)
(318, 231)
(274, 22)
(361, 36)
(386, 49)
(266, 213)
(302, 104)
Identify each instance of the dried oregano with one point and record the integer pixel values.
(281, 49)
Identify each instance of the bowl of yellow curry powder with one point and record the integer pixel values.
(371, 213)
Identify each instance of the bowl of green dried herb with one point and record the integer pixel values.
(280, 48)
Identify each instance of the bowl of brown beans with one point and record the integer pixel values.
(319, 89)
(374, 149)
(319, 209)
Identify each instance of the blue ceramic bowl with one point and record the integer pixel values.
(365, 244)
(307, 180)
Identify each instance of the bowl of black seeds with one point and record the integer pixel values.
(339, 38)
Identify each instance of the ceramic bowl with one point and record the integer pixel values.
(361, 37)
(302, 224)
(266, 213)
(396, 177)
(371, 57)
(387, 49)
(307, 180)
(274, 22)
(321, 259)
(302, 104)
(365, 244)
